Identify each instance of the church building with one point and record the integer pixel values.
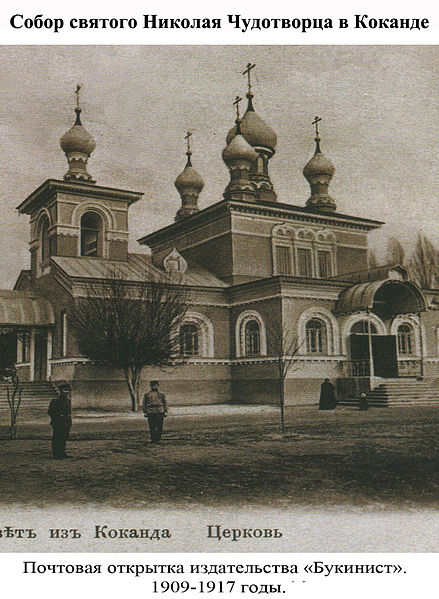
(254, 264)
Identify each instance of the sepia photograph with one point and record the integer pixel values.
(219, 283)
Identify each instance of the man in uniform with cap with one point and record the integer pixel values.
(60, 412)
(155, 410)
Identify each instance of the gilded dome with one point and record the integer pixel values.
(239, 149)
(189, 178)
(77, 139)
(255, 130)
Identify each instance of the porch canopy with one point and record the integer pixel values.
(386, 298)
(23, 309)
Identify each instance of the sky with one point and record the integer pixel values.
(379, 107)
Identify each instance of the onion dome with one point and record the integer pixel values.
(189, 185)
(239, 157)
(255, 130)
(77, 144)
(318, 172)
(77, 139)
(319, 164)
(239, 150)
(189, 179)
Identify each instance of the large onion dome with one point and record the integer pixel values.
(255, 130)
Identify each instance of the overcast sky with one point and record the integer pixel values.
(380, 124)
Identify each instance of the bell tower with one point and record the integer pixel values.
(74, 217)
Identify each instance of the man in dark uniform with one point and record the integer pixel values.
(155, 410)
(60, 412)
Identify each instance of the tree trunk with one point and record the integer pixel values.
(282, 403)
(131, 389)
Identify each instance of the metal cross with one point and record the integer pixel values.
(316, 122)
(250, 66)
(78, 87)
(236, 103)
(188, 141)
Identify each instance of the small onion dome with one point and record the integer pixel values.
(189, 178)
(239, 150)
(255, 129)
(319, 164)
(77, 139)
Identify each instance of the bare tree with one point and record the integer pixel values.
(424, 263)
(130, 326)
(284, 346)
(395, 253)
(13, 396)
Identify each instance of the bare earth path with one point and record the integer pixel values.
(377, 458)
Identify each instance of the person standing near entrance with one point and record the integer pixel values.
(328, 401)
(155, 410)
(60, 412)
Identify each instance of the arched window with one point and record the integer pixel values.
(362, 328)
(252, 338)
(189, 340)
(91, 234)
(45, 248)
(316, 337)
(405, 340)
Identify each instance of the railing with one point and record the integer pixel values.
(409, 367)
(357, 368)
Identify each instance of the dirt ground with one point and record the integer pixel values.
(383, 457)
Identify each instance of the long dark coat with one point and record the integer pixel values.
(328, 400)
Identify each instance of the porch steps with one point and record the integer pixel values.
(397, 393)
(35, 398)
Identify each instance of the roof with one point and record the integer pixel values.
(387, 271)
(22, 308)
(137, 268)
(361, 297)
(50, 186)
(263, 207)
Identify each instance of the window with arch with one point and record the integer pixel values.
(44, 236)
(362, 328)
(405, 337)
(316, 337)
(189, 339)
(252, 335)
(91, 234)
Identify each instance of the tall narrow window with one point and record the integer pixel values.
(91, 234)
(63, 333)
(316, 338)
(304, 259)
(45, 249)
(189, 341)
(324, 263)
(283, 260)
(405, 340)
(252, 338)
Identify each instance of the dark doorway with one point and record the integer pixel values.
(385, 362)
(40, 371)
(8, 352)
